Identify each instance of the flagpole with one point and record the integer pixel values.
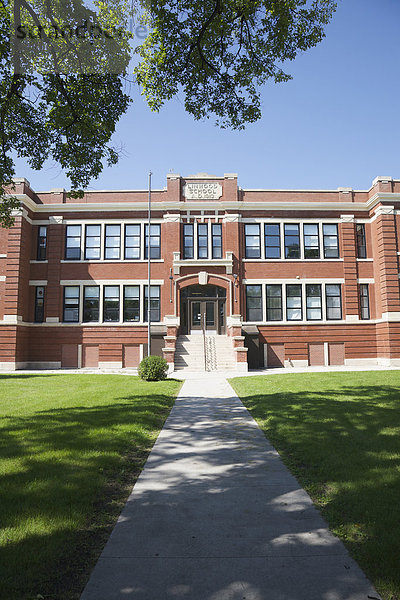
(149, 271)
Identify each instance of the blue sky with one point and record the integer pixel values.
(337, 123)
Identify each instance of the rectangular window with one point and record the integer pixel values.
(364, 300)
(272, 236)
(112, 245)
(111, 303)
(292, 240)
(216, 239)
(131, 303)
(331, 240)
(252, 241)
(361, 244)
(333, 301)
(254, 311)
(91, 303)
(73, 242)
(92, 242)
(155, 241)
(132, 242)
(274, 303)
(71, 304)
(188, 241)
(154, 303)
(311, 240)
(294, 309)
(313, 302)
(39, 304)
(202, 240)
(41, 243)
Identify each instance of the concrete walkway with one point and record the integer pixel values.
(216, 516)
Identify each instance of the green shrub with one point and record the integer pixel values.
(153, 368)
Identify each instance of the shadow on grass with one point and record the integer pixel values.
(240, 459)
(343, 445)
(61, 466)
(7, 376)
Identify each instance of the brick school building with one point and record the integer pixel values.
(271, 277)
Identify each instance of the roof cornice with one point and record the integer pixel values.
(214, 205)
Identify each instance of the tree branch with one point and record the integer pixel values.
(196, 43)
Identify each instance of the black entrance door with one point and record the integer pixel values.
(200, 302)
(203, 311)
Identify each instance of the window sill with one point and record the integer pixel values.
(226, 262)
(116, 261)
(302, 323)
(101, 324)
(294, 260)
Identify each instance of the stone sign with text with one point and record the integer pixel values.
(202, 191)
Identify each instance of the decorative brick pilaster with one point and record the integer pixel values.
(16, 296)
(16, 292)
(241, 358)
(386, 261)
(238, 341)
(169, 356)
(350, 272)
(11, 295)
(234, 331)
(234, 325)
(54, 255)
(170, 341)
(386, 282)
(172, 331)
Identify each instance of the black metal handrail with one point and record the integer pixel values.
(204, 340)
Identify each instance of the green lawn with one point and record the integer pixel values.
(339, 433)
(71, 447)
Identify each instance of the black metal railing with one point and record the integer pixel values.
(204, 340)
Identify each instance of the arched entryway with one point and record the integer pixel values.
(203, 303)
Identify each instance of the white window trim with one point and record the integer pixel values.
(64, 282)
(285, 319)
(107, 221)
(195, 241)
(142, 283)
(301, 222)
(303, 249)
(83, 240)
(301, 241)
(102, 223)
(195, 221)
(121, 242)
(82, 247)
(332, 280)
(102, 242)
(134, 261)
(264, 301)
(302, 282)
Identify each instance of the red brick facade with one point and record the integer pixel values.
(295, 278)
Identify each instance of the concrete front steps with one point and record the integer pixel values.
(189, 354)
